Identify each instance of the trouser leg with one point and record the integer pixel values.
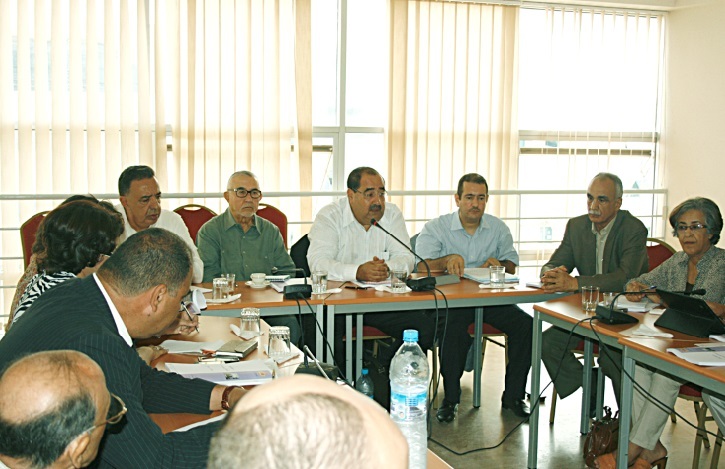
(517, 325)
(561, 364)
(453, 350)
(648, 419)
(610, 362)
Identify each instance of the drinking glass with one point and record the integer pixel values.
(398, 276)
(219, 288)
(249, 326)
(319, 281)
(231, 283)
(607, 298)
(279, 342)
(590, 298)
(497, 275)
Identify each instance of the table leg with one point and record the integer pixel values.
(535, 386)
(348, 348)
(358, 345)
(330, 353)
(586, 384)
(477, 358)
(625, 410)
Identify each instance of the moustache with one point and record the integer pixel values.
(595, 213)
(376, 207)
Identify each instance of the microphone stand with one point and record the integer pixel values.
(416, 284)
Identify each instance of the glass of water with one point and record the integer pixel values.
(319, 281)
(279, 342)
(398, 276)
(590, 298)
(249, 326)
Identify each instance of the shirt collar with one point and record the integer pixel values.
(120, 325)
(230, 222)
(605, 231)
(457, 225)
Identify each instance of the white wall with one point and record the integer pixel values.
(693, 140)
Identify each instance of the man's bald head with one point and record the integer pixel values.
(48, 401)
(306, 421)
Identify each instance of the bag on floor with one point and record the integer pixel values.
(602, 437)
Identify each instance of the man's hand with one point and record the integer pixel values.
(373, 271)
(491, 261)
(455, 265)
(183, 325)
(558, 280)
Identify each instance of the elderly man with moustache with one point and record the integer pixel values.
(342, 428)
(607, 247)
(240, 242)
(135, 294)
(140, 197)
(54, 409)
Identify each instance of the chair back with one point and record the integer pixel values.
(27, 235)
(276, 216)
(194, 217)
(658, 252)
(298, 253)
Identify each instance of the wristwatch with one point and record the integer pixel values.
(225, 396)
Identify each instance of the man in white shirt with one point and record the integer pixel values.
(140, 197)
(345, 244)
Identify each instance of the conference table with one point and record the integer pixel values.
(567, 313)
(354, 303)
(213, 328)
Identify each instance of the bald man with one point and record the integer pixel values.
(340, 428)
(54, 407)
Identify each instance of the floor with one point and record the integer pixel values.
(481, 431)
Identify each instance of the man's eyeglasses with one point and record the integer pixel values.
(371, 194)
(242, 192)
(190, 308)
(682, 229)
(116, 411)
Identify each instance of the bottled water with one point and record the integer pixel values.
(409, 397)
(364, 384)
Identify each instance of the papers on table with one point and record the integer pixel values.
(635, 306)
(703, 356)
(249, 372)
(644, 330)
(187, 346)
(719, 338)
(279, 286)
(481, 275)
(362, 284)
(201, 289)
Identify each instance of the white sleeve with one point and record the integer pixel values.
(396, 225)
(325, 243)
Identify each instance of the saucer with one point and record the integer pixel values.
(252, 285)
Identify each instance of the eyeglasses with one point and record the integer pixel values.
(190, 307)
(371, 194)
(116, 411)
(682, 229)
(242, 192)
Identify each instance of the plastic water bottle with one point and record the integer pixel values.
(364, 384)
(409, 397)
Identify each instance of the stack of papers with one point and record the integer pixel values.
(188, 346)
(703, 356)
(250, 372)
(641, 306)
(481, 275)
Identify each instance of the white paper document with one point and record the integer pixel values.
(187, 346)
(248, 372)
(703, 356)
(635, 306)
(481, 275)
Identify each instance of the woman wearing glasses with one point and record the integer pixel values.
(697, 223)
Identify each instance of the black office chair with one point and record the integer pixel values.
(298, 253)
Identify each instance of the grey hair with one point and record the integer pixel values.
(713, 218)
(240, 173)
(618, 187)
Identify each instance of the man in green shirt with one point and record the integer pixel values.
(242, 243)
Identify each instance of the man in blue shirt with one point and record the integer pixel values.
(470, 238)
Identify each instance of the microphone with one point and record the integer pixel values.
(292, 292)
(416, 284)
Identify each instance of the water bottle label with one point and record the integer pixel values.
(406, 406)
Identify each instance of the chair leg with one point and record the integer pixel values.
(716, 451)
(483, 349)
(552, 412)
(701, 436)
(506, 348)
(673, 417)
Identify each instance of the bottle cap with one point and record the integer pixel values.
(364, 371)
(410, 335)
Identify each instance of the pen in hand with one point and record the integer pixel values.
(188, 314)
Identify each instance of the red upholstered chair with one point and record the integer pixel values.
(194, 217)
(693, 393)
(658, 251)
(27, 235)
(489, 332)
(276, 216)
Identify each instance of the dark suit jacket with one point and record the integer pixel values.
(74, 315)
(625, 253)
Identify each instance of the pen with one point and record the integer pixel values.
(354, 287)
(188, 314)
